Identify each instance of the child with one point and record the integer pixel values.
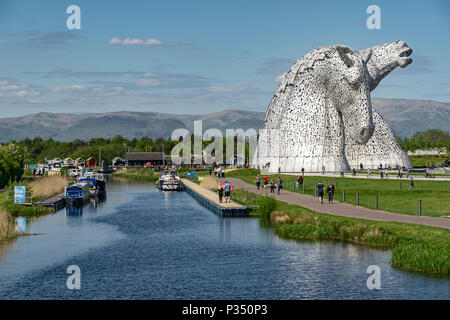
(220, 194)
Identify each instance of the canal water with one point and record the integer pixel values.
(142, 243)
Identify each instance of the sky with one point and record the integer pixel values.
(197, 57)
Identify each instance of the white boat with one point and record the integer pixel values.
(169, 181)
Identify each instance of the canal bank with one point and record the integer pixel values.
(142, 243)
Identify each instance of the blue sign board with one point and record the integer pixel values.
(19, 194)
(192, 174)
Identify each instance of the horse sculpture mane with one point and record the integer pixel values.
(321, 115)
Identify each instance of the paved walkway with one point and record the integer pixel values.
(342, 209)
(374, 175)
(212, 196)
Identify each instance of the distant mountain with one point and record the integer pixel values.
(404, 116)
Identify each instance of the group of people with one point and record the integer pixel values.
(321, 190)
(218, 172)
(224, 189)
(271, 184)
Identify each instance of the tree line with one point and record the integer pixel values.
(429, 139)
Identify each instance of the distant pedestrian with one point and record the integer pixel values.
(407, 173)
(265, 181)
(220, 193)
(300, 181)
(411, 184)
(320, 187)
(354, 171)
(272, 186)
(227, 191)
(210, 171)
(258, 181)
(303, 171)
(427, 173)
(330, 190)
(323, 169)
(368, 172)
(381, 174)
(342, 173)
(279, 184)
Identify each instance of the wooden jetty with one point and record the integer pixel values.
(56, 201)
(210, 200)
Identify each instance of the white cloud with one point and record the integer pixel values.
(279, 78)
(237, 87)
(136, 42)
(6, 85)
(70, 88)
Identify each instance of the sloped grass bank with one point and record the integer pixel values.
(414, 248)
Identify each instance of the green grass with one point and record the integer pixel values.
(435, 195)
(423, 161)
(144, 175)
(23, 210)
(415, 248)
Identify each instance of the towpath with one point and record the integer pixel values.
(342, 209)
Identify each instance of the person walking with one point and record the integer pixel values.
(220, 193)
(279, 184)
(272, 186)
(320, 187)
(381, 174)
(330, 190)
(300, 181)
(303, 171)
(342, 173)
(407, 174)
(227, 191)
(411, 184)
(323, 169)
(265, 182)
(258, 181)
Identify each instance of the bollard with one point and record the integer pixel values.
(357, 198)
(304, 187)
(343, 195)
(376, 202)
(420, 207)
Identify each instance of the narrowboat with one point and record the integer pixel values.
(78, 193)
(97, 186)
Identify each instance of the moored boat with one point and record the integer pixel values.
(169, 181)
(96, 185)
(78, 193)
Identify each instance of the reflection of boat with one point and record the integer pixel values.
(96, 185)
(74, 211)
(77, 193)
(169, 181)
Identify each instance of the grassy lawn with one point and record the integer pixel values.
(422, 161)
(415, 248)
(435, 195)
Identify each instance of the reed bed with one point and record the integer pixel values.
(7, 226)
(210, 183)
(47, 186)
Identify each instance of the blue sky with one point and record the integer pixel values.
(200, 56)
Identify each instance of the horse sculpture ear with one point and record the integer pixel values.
(344, 54)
